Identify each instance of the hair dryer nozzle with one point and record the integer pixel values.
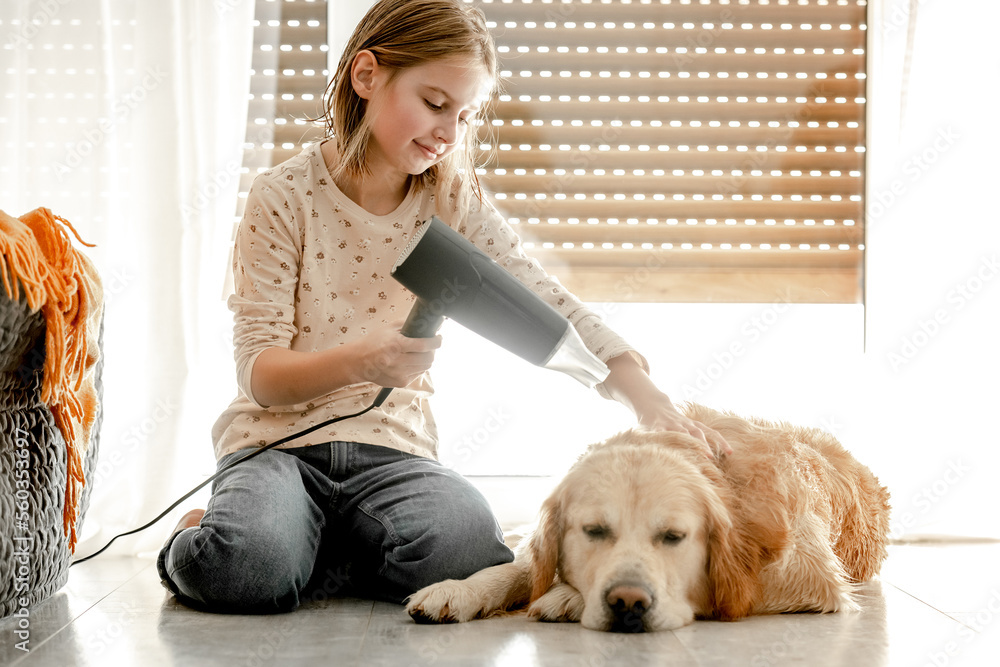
(453, 278)
(574, 359)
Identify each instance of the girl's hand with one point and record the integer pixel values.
(629, 384)
(659, 413)
(385, 357)
(389, 359)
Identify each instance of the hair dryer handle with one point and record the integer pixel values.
(422, 322)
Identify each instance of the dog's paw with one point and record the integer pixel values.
(449, 601)
(562, 603)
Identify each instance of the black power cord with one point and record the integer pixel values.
(378, 401)
(423, 321)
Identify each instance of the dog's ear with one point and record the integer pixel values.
(737, 552)
(544, 548)
(732, 580)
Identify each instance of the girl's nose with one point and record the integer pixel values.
(448, 131)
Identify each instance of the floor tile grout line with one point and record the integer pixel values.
(89, 608)
(930, 606)
(364, 634)
(688, 650)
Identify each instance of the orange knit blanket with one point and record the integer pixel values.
(36, 254)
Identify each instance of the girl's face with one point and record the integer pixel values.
(422, 115)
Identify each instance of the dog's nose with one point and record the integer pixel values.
(628, 603)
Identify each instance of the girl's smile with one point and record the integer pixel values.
(432, 154)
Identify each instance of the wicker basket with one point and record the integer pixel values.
(34, 553)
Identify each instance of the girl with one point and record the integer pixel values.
(363, 505)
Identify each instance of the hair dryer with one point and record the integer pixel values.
(452, 278)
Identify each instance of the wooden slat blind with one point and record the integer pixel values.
(685, 151)
(289, 73)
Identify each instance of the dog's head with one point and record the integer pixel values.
(643, 528)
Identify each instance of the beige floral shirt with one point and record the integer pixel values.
(312, 270)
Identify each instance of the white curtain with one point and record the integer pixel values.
(127, 118)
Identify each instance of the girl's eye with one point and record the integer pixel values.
(432, 106)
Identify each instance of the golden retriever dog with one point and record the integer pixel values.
(647, 533)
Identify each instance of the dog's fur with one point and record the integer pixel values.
(647, 533)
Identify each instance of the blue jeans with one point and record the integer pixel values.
(337, 518)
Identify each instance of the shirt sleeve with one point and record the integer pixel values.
(265, 273)
(491, 233)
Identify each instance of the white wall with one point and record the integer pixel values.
(934, 290)
(914, 399)
(341, 18)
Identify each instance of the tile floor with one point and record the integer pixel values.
(934, 606)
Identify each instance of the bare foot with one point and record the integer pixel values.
(190, 520)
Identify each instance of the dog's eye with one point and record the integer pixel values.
(672, 536)
(596, 531)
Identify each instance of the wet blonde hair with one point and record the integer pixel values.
(403, 34)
